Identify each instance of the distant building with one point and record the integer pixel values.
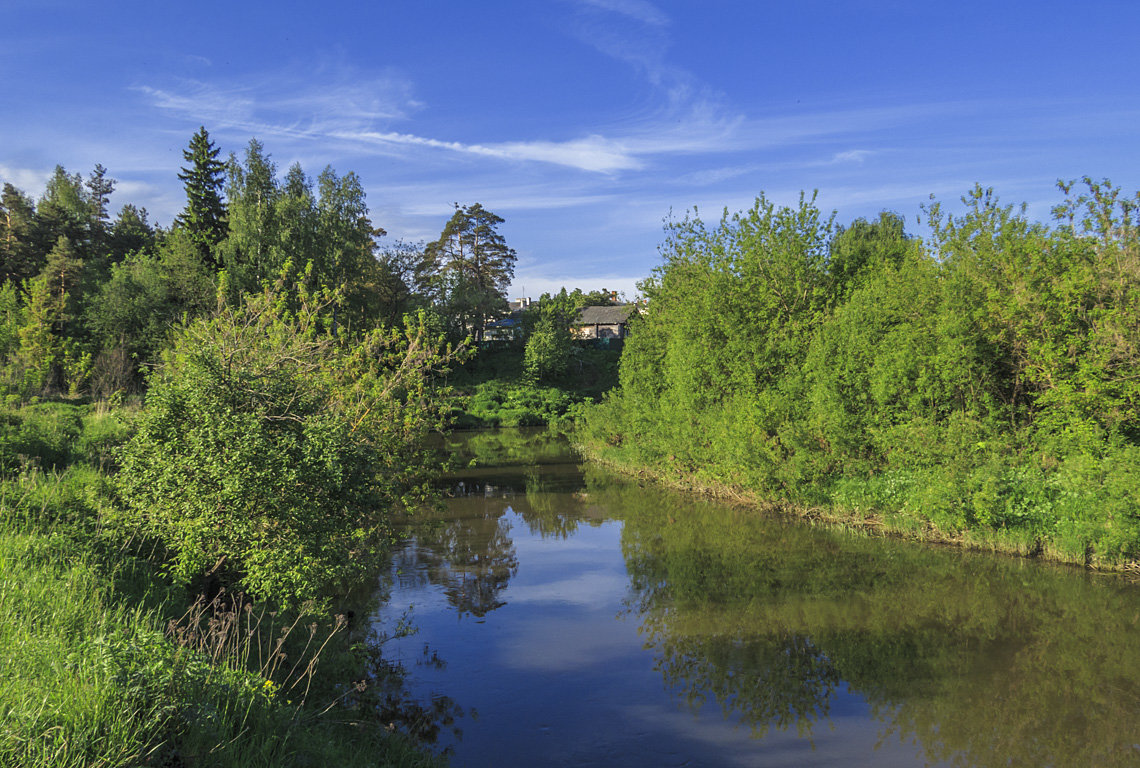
(503, 329)
(509, 327)
(603, 322)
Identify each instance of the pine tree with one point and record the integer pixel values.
(20, 258)
(473, 268)
(130, 233)
(65, 211)
(205, 214)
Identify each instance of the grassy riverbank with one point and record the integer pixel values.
(863, 505)
(107, 662)
(493, 389)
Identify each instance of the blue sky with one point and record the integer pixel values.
(583, 123)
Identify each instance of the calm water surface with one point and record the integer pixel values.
(567, 617)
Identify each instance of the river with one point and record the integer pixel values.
(565, 616)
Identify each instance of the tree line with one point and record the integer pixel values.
(89, 300)
(292, 364)
(983, 378)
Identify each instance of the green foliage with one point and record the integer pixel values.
(96, 676)
(45, 435)
(40, 350)
(471, 268)
(20, 254)
(204, 217)
(548, 351)
(11, 319)
(271, 454)
(505, 404)
(996, 367)
(145, 297)
(321, 240)
(550, 355)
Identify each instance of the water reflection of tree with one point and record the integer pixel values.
(507, 447)
(554, 506)
(468, 551)
(383, 695)
(467, 548)
(782, 681)
(984, 661)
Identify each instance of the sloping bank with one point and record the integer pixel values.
(980, 386)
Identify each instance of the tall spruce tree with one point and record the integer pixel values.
(204, 217)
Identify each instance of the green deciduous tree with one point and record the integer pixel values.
(345, 261)
(146, 296)
(252, 252)
(271, 453)
(548, 351)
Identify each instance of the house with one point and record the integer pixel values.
(509, 327)
(603, 322)
(503, 329)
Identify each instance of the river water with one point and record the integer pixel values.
(564, 616)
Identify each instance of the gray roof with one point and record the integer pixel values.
(612, 315)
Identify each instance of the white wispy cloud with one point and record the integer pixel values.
(28, 180)
(851, 156)
(590, 153)
(289, 103)
(204, 102)
(506, 200)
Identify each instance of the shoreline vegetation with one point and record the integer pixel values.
(877, 523)
(204, 432)
(109, 661)
(980, 386)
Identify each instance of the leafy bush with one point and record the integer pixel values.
(42, 434)
(499, 403)
(269, 454)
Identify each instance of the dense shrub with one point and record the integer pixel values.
(270, 454)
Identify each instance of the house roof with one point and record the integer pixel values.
(612, 315)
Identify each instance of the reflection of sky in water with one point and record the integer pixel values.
(848, 741)
(560, 675)
(620, 643)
